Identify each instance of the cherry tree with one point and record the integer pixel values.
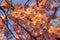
(29, 23)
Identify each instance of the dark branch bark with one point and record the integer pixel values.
(37, 3)
(12, 6)
(7, 23)
(2, 9)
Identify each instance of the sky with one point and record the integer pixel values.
(23, 2)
